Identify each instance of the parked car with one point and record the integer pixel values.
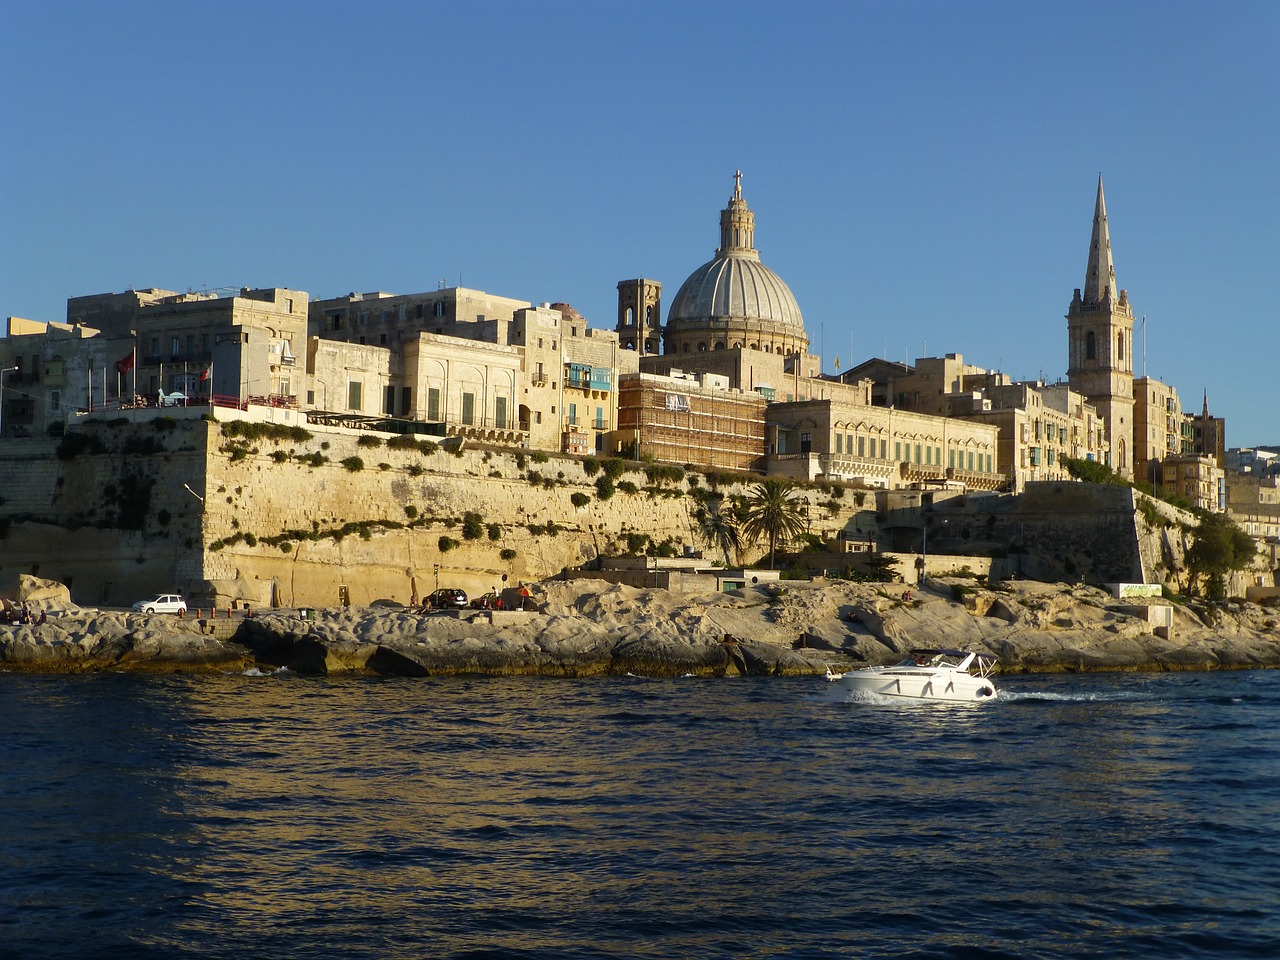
(447, 598)
(162, 603)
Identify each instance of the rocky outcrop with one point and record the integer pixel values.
(592, 628)
(87, 641)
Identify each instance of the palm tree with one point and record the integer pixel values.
(773, 509)
(719, 526)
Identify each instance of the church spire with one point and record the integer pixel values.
(1100, 274)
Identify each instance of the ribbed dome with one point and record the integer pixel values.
(735, 287)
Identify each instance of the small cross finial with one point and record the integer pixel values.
(737, 185)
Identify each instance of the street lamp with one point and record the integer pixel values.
(193, 493)
(3, 371)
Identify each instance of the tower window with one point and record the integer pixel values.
(1120, 346)
(1090, 346)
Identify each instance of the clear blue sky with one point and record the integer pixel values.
(922, 173)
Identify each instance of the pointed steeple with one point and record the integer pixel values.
(1100, 274)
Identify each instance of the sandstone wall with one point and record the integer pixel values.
(271, 527)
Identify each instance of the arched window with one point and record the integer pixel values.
(1090, 346)
(719, 344)
(702, 347)
(631, 317)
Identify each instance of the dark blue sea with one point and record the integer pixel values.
(280, 816)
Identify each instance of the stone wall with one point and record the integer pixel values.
(1054, 530)
(182, 505)
(251, 519)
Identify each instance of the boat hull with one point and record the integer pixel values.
(914, 685)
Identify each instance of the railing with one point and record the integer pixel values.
(139, 402)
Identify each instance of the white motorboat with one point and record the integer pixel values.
(953, 675)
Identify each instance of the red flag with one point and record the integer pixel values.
(125, 364)
(204, 376)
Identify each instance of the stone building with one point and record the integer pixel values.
(468, 363)
(928, 386)
(865, 445)
(1259, 461)
(156, 347)
(384, 319)
(236, 346)
(48, 371)
(1039, 426)
(1157, 427)
(1253, 501)
(696, 419)
(1208, 435)
(1198, 480)
(1100, 343)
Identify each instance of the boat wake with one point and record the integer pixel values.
(1083, 696)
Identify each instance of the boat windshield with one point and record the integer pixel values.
(980, 664)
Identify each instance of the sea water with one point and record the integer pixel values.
(1104, 815)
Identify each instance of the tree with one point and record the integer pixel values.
(718, 525)
(773, 510)
(1091, 471)
(1218, 546)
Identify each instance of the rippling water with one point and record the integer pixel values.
(1088, 816)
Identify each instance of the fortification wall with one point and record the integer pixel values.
(291, 520)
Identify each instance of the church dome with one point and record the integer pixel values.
(736, 287)
(734, 300)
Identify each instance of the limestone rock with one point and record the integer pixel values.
(591, 628)
(47, 593)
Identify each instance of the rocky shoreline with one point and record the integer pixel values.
(591, 628)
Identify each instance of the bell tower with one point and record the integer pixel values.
(640, 316)
(1100, 343)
